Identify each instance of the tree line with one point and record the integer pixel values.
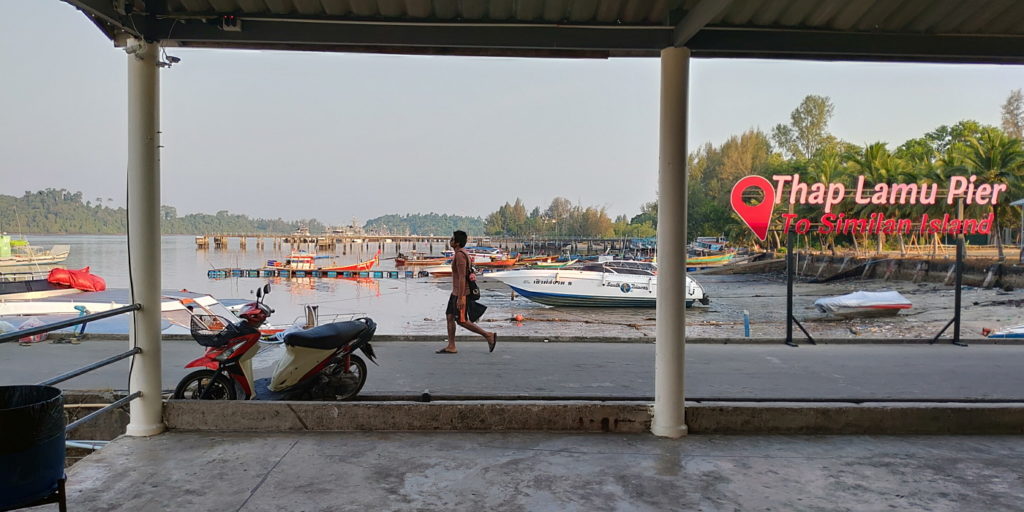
(424, 224)
(805, 147)
(60, 211)
(562, 218)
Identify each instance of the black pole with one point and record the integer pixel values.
(958, 291)
(789, 289)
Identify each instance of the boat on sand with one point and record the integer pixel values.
(862, 304)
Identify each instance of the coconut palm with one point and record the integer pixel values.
(878, 165)
(994, 158)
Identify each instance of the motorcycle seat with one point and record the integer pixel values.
(327, 336)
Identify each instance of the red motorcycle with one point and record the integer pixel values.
(318, 363)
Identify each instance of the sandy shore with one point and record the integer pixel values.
(764, 297)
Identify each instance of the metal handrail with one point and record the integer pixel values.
(95, 414)
(85, 369)
(16, 335)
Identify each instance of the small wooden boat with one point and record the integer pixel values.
(505, 263)
(356, 267)
(862, 304)
(554, 264)
(537, 259)
(439, 270)
(404, 261)
(707, 261)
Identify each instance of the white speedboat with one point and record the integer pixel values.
(863, 303)
(608, 284)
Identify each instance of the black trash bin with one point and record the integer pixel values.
(31, 443)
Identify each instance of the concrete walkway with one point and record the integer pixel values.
(327, 471)
(614, 370)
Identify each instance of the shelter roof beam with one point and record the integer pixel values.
(102, 13)
(270, 32)
(696, 19)
(827, 45)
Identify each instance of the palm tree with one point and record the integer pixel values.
(878, 165)
(827, 167)
(995, 158)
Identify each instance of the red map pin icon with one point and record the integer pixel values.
(757, 217)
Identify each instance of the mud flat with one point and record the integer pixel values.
(763, 296)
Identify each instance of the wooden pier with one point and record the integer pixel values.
(224, 273)
(329, 242)
(325, 241)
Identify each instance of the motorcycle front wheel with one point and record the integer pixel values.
(205, 385)
(356, 369)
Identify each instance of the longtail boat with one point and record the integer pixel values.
(439, 270)
(537, 259)
(403, 261)
(356, 267)
(506, 263)
(710, 261)
(554, 264)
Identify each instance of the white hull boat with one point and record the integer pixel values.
(58, 303)
(1014, 332)
(627, 284)
(861, 304)
(29, 259)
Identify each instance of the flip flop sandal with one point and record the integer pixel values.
(446, 351)
(492, 343)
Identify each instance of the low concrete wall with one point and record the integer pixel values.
(408, 416)
(847, 418)
(619, 417)
(78, 404)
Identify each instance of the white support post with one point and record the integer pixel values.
(669, 419)
(146, 412)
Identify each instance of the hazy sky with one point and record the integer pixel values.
(336, 136)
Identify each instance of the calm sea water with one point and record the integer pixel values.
(399, 306)
(416, 306)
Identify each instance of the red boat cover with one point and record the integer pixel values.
(80, 279)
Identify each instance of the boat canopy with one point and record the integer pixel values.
(642, 268)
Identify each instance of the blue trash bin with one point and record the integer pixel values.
(31, 443)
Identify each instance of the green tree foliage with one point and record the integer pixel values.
(561, 219)
(713, 172)
(1013, 115)
(424, 224)
(807, 131)
(995, 158)
(59, 211)
(648, 215)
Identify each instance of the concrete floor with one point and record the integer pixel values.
(327, 471)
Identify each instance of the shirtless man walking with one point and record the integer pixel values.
(456, 311)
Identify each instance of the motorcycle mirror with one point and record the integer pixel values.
(266, 288)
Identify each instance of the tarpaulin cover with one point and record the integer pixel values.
(31, 443)
(80, 279)
(862, 300)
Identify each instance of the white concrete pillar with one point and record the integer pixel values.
(146, 414)
(671, 313)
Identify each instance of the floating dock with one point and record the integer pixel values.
(223, 273)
